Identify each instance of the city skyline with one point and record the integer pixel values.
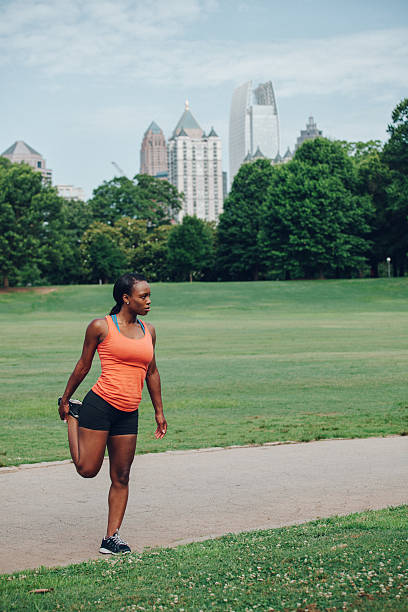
(83, 106)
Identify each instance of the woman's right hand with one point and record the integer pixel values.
(63, 409)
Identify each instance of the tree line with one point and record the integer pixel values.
(337, 209)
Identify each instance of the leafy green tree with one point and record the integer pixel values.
(77, 218)
(160, 198)
(144, 197)
(373, 179)
(5, 163)
(145, 247)
(19, 219)
(386, 186)
(238, 251)
(102, 257)
(152, 256)
(133, 234)
(190, 249)
(397, 223)
(54, 248)
(360, 150)
(117, 198)
(314, 221)
(30, 218)
(330, 157)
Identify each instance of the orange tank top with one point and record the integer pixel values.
(124, 363)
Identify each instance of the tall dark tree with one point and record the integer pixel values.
(238, 253)
(374, 178)
(395, 156)
(396, 149)
(314, 221)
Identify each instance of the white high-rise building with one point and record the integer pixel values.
(195, 168)
(254, 124)
(69, 192)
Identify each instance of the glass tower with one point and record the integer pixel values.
(253, 124)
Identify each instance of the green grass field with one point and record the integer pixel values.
(352, 563)
(241, 363)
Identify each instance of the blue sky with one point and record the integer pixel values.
(81, 81)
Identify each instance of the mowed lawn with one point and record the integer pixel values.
(355, 563)
(241, 363)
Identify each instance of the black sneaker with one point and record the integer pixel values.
(74, 406)
(114, 545)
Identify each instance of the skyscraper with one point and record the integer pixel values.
(310, 133)
(195, 168)
(254, 124)
(22, 152)
(153, 152)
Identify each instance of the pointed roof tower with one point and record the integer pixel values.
(153, 152)
(20, 148)
(20, 151)
(154, 128)
(182, 132)
(213, 133)
(288, 155)
(258, 154)
(188, 124)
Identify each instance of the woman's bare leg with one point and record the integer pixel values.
(121, 453)
(73, 438)
(87, 447)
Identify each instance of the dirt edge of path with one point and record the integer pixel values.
(210, 449)
(41, 290)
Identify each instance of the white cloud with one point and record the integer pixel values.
(149, 43)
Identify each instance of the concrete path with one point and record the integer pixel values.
(50, 516)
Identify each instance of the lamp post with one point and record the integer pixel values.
(389, 266)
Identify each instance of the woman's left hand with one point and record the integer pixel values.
(161, 426)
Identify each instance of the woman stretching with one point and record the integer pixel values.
(108, 415)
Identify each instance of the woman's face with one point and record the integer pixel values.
(139, 300)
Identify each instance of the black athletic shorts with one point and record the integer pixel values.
(96, 413)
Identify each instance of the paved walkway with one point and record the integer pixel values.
(51, 516)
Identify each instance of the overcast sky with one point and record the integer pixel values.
(82, 80)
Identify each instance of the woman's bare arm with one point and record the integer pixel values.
(95, 333)
(154, 387)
